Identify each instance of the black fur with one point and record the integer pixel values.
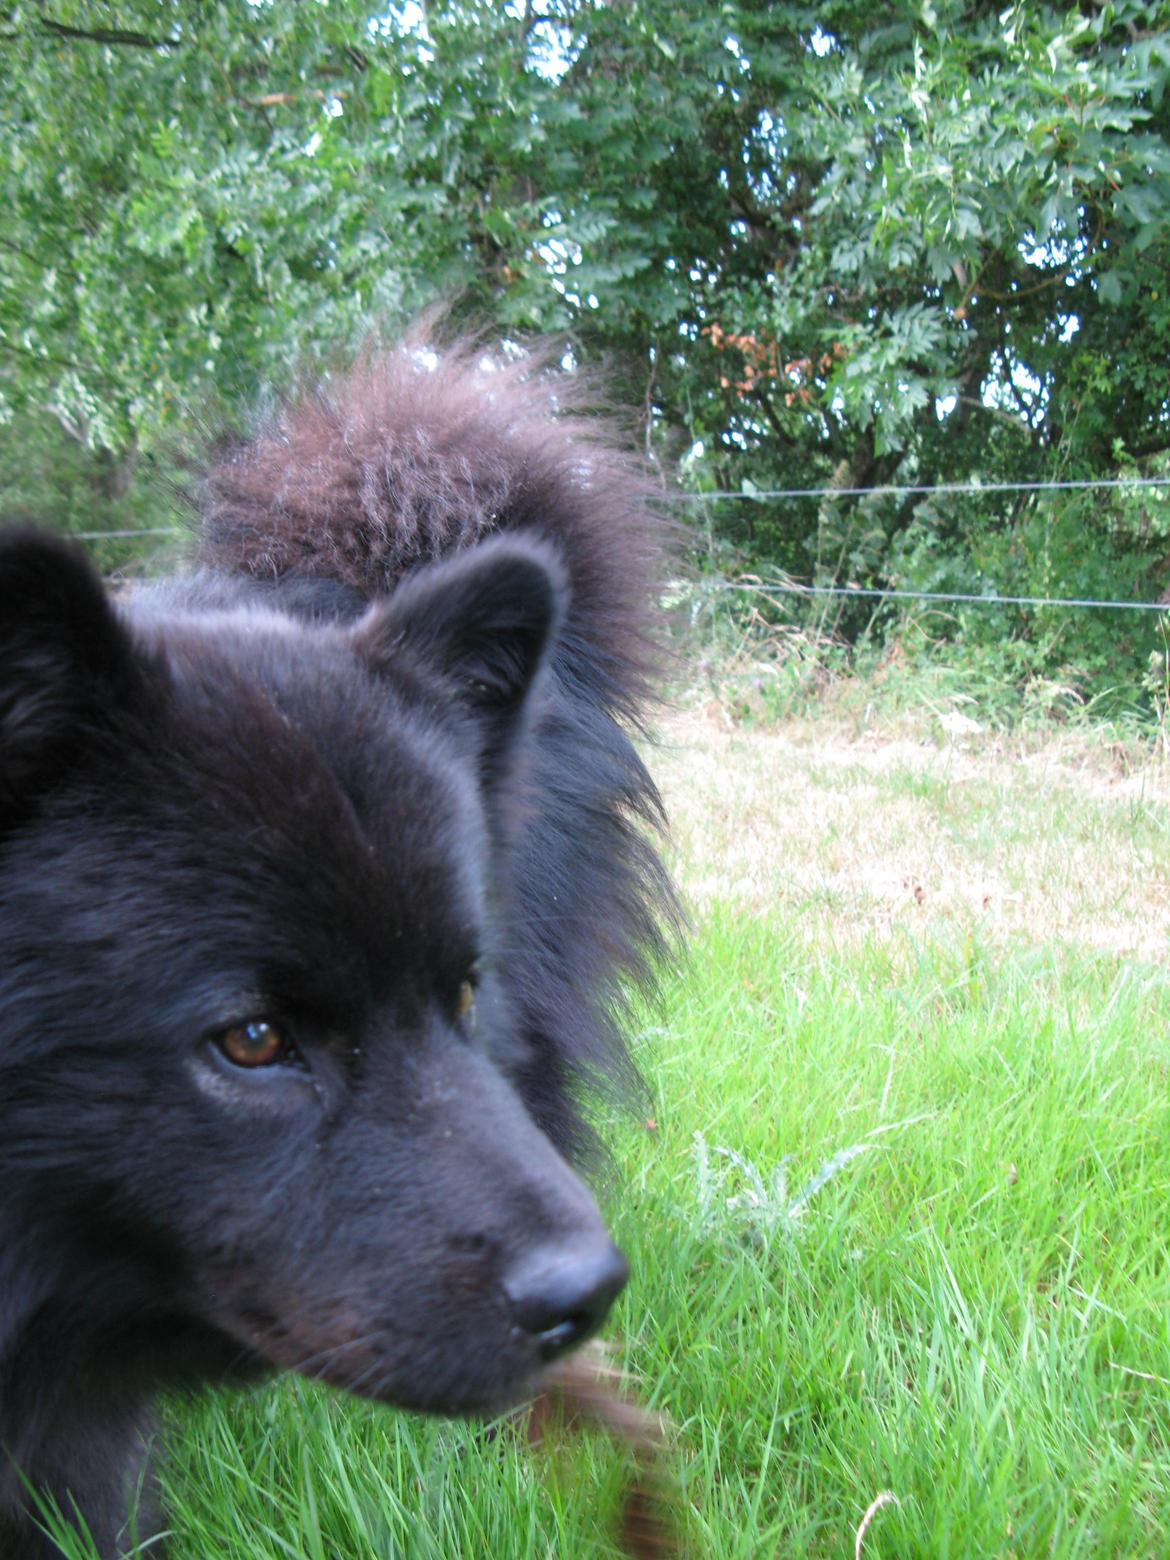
(374, 747)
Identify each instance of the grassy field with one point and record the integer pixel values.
(897, 1209)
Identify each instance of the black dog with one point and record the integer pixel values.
(323, 870)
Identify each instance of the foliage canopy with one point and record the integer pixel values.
(848, 244)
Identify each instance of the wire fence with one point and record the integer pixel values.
(891, 489)
(990, 598)
(796, 588)
(109, 536)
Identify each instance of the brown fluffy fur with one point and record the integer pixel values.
(413, 455)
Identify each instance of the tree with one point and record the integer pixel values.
(855, 243)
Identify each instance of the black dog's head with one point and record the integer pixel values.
(255, 1008)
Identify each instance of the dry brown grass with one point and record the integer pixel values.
(1064, 838)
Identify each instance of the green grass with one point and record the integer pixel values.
(896, 1214)
(955, 1315)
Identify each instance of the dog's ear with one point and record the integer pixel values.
(474, 628)
(64, 659)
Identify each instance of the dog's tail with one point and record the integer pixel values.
(416, 453)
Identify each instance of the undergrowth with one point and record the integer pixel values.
(764, 656)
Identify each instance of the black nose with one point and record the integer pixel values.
(562, 1297)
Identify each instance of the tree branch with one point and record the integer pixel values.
(1016, 424)
(25, 254)
(281, 99)
(58, 362)
(764, 402)
(111, 35)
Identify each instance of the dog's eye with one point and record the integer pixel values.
(255, 1044)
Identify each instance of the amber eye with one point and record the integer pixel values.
(257, 1044)
(465, 1005)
